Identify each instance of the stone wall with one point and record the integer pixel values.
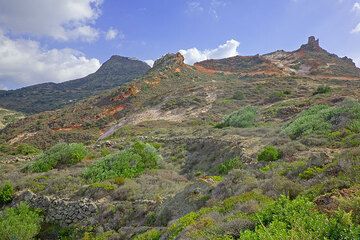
(62, 211)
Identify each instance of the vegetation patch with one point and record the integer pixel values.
(19, 223)
(228, 165)
(322, 119)
(128, 163)
(60, 154)
(152, 234)
(243, 118)
(322, 90)
(269, 154)
(298, 219)
(6, 192)
(311, 172)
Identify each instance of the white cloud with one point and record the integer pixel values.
(194, 6)
(228, 49)
(111, 34)
(356, 6)
(24, 62)
(59, 19)
(150, 62)
(356, 29)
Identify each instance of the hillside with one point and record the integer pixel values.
(49, 96)
(7, 116)
(309, 60)
(237, 148)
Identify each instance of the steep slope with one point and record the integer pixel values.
(49, 96)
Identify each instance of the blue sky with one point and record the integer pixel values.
(71, 38)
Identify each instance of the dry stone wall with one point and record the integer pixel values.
(62, 211)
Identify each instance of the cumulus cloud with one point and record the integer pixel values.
(228, 49)
(24, 62)
(62, 20)
(356, 6)
(150, 62)
(356, 29)
(111, 34)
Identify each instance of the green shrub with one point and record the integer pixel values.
(60, 154)
(152, 234)
(105, 151)
(228, 165)
(298, 219)
(26, 149)
(351, 204)
(19, 223)
(180, 224)
(322, 119)
(6, 193)
(103, 185)
(243, 118)
(128, 163)
(322, 90)
(238, 95)
(119, 180)
(268, 154)
(311, 172)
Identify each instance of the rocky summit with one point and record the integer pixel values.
(246, 147)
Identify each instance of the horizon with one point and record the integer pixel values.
(74, 40)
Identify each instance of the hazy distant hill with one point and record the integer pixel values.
(49, 96)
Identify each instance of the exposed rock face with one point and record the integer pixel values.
(62, 211)
(312, 45)
(169, 60)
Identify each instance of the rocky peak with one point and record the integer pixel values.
(169, 60)
(312, 45)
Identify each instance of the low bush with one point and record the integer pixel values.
(26, 149)
(322, 90)
(243, 118)
(228, 165)
(311, 172)
(6, 193)
(269, 154)
(128, 163)
(299, 219)
(322, 119)
(238, 95)
(152, 234)
(60, 154)
(19, 223)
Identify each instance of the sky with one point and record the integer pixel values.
(55, 41)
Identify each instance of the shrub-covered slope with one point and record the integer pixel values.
(188, 153)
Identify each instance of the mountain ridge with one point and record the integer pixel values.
(49, 96)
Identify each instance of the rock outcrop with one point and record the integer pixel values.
(312, 45)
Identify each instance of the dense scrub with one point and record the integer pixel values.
(243, 118)
(298, 219)
(60, 154)
(6, 192)
(322, 119)
(19, 222)
(128, 163)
